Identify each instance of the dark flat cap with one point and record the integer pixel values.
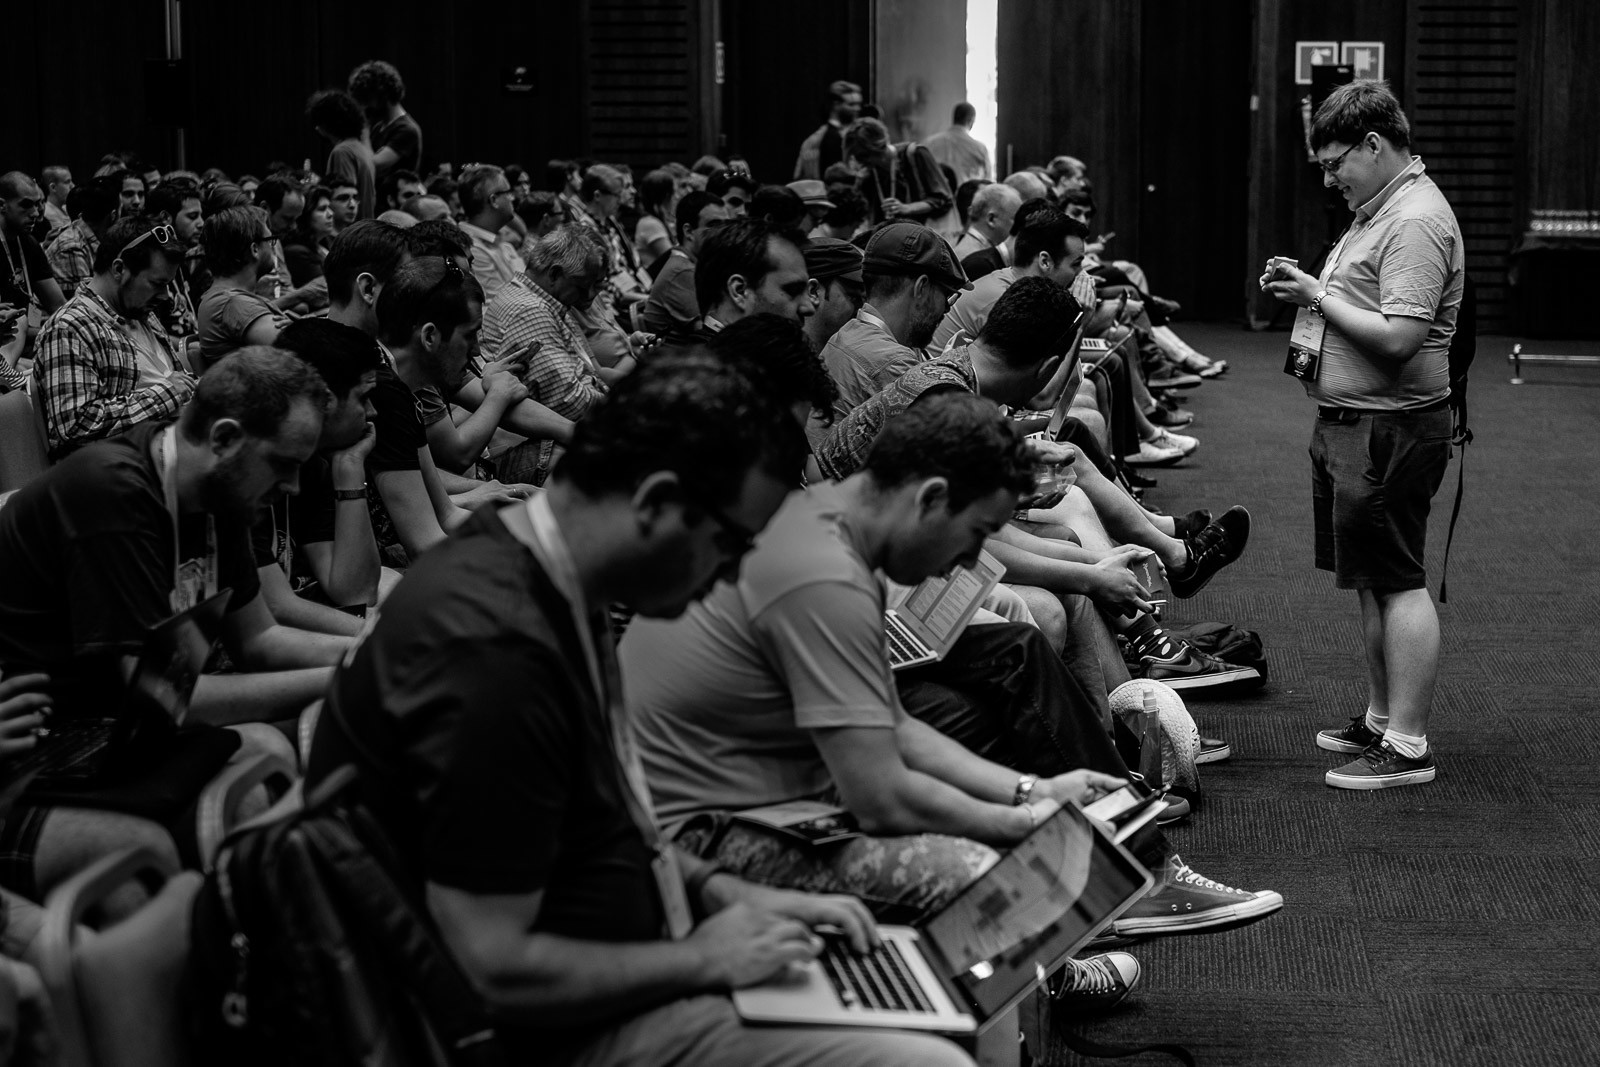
(911, 248)
(829, 257)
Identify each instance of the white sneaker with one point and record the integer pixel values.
(1151, 454)
(1168, 439)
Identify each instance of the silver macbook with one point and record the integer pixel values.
(969, 963)
(922, 623)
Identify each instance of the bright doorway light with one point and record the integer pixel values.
(983, 27)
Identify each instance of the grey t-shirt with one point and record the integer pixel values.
(724, 698)
(224, 316)
(1402, 256)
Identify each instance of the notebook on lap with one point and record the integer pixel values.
(969, 963)
(922, 623)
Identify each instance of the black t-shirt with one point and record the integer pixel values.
(405, 137)
(21, 249)
(291, 523)
(501, 779)
(398, 426)
(88, 555)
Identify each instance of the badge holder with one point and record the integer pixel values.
(1304, 360)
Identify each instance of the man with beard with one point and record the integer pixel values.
(911, 278)
(105, 363)
(120, 536)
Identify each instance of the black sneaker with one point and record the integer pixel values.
(1381, 767)
(1161, 657)
(1168, 418)
(1354, 736)
(1213, 750)
(1137, 480)
(1094, 985)
(1186, 526)
(1210, 550)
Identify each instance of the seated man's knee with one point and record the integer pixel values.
(1048, 614)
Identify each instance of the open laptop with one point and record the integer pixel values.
(922, 623)
(968, 964)
(101, 708)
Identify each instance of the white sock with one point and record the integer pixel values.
(1377, 723)
(1407, 745)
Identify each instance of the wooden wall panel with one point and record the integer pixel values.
(1562, 152)
(1069, 82)
(780, 59)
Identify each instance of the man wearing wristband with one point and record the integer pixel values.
(1371, 344)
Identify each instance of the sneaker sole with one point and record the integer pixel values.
(1214, 755)
(1205, 681)
(1332, 745)
(1263, 904)
(1387, 781)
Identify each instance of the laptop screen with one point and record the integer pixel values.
(941, 605)
(1031, 909)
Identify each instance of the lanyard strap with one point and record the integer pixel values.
(182, 599)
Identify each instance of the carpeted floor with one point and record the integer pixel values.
(1453, 923)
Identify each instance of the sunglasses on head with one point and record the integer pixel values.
(163, 235)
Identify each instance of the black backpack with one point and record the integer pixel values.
(305, 949)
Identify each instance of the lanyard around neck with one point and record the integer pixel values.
(185, 595)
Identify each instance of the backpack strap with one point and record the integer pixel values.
(1083, 1046)
(1455, 512)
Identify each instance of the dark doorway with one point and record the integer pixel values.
(1195, 152)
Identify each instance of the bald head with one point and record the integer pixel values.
(1028, 184)
(994, 207)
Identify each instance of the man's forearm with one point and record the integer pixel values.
(353, 570)
(1393, 337)
(1028, 568)
(533, 420)
(300, 613)
(927, 750)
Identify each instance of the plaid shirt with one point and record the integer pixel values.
(87, 374)
(71, 254)
(562, 374)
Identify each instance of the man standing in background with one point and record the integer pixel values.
(957, 149)
(825, 146)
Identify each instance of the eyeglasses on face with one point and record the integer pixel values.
(1331, 166)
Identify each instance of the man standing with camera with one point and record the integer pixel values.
(1371, 344)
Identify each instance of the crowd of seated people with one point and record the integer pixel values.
(583, 504)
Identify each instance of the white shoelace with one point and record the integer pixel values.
(1093, 975)
(1185, 873)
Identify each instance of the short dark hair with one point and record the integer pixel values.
(168, 197)
(597, 179)
(1032, 321)
(444, 187)
(693, 413)
(555, 174)
(256, 385)
(775, 352)
(228, 236)
(337, 112)
(94, 200)
(1356, 109)
(1045, 229)
(742, 247)
(957, 436)
(390, 186)
(376, 81)
(364, 247)
(780, 205)
(963, 114)
(429, 289)
(474, 187)
(536, 206)
(121, 233)
(656, 189)
(687, 213)
(719, 183)
(849, 208)
(340, 354)
(275, 188)
(437, 237)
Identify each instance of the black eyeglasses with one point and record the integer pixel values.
(1331, 166)
(163, 235)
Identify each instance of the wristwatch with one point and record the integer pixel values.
(1316, 302)
(1025, 786)
(351, 494)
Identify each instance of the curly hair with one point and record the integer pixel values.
(377, 82)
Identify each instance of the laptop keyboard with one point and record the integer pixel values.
(901, 650)
(67, 747)
(879, 980)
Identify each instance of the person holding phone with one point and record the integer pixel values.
(1370, 344)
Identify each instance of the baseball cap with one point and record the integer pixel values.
(828, 258)
(912, 248)
(812, 192)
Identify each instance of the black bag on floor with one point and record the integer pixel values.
(305, 949)
(1229, 643)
